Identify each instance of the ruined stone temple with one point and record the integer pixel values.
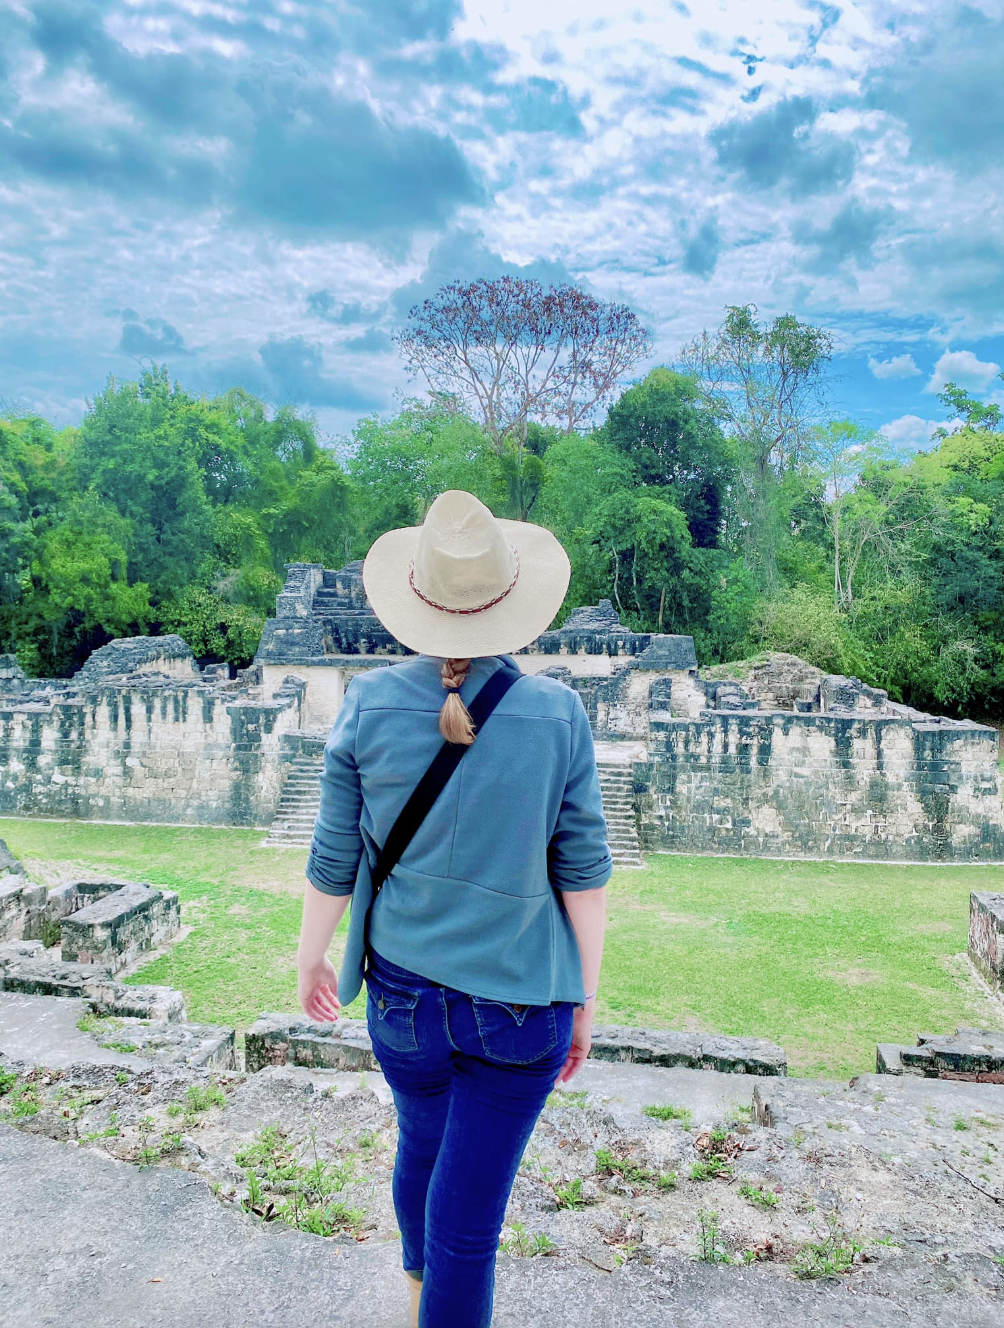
(779, 760)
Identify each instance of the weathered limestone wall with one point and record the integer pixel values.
(787, 784)
(179, 753)
(325, 687)
(986, 936)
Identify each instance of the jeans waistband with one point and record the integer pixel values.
(381, 965)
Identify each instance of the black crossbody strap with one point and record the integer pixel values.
(437, 775)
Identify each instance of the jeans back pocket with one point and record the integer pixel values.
(515, 1034)
(390, 1014)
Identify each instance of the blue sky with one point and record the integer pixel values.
(257, 192)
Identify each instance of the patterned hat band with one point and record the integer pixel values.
(480, 608)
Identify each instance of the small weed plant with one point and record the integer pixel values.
(641, 1178)
(710, 1168)
(755, 1194)
(110, 1132)
(570, 1196)
(710, 1248)
(833, 1254)
(525, 1244)
(281, 1187)
(199, 1098)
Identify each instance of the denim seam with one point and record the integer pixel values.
(446, 1019)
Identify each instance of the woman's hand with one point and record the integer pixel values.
(317, 990)
(582, 1040)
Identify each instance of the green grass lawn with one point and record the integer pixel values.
(825, 958)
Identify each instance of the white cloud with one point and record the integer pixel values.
(964, 368)
(909, 433)
(900, 366)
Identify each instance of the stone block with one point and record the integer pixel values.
(969, 1052)
(888, 1059)
(974, 1054)
(281, 1039)
(119, 927)
(986, 936)
(52, 977)
(344, 1045)
(61, 901)
(8, 862)
(177, 1043)
(164, 1004)
(10, 950)
(13, 909)
(698, 1051)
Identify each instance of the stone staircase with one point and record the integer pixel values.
(617, 787)
(293, 823)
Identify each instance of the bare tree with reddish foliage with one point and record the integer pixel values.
(510, 351)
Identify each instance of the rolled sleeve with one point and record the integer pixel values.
(337, 844)
(578, 854)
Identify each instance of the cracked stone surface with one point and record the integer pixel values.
(882, 1159)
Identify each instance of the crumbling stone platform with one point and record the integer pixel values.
(118, 928)
(37, 975)
(104, 1243)
(281, 1039)
(975, 1054)
(71, 1031)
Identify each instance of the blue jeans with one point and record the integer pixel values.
(469, 1078)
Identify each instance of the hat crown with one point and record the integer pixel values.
(463, 558)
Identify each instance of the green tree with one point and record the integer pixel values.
(81, 594)
(398, 466)
(673, 441)
(764, 384)
(139, 452)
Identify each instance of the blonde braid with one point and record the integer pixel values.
(455, 722)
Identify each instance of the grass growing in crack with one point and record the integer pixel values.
(110, 1132)
(525, 1244)
(561, 1097)
(638, 1176)
(92, 1022)
(709, 1238)
(20, 1098)
(282, 1188)
(709, 1168)
(761, 1197)
(833, 1254)
(682, 1114)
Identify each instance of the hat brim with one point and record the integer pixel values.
(528, 609)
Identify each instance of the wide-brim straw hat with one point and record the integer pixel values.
(466, 583)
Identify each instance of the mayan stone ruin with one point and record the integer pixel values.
(783, 761)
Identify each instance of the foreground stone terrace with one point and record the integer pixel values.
(105, 1243)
